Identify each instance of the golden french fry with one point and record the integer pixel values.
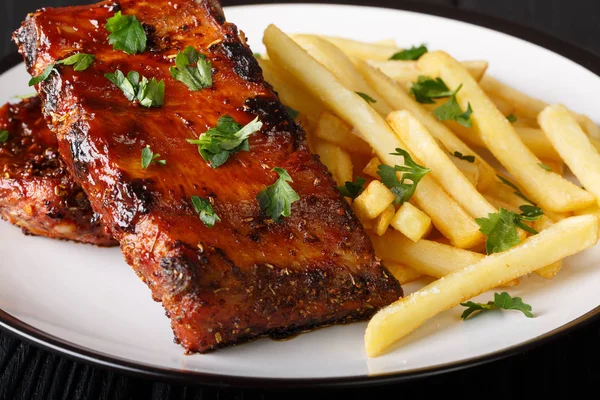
(336, 160)
(529, 106)
(425, 148)
(342, 68)
(411, 222)
(401, 100)
(504, 106)
(538, 143)
(366, 51)
(450, 219)
(550, 190)
(468, 169)
(381, 223)
(334, 130)
(372, 201)
(549, 271)
(567, 137)
(402, 273)
(558, 167)
(406, 72)
(386, 42)
(372, 167)
(397, 320)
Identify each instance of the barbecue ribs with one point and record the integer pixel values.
(248, 276)
(37, 193)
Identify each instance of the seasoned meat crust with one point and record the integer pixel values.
(37, 193)
(247, 276)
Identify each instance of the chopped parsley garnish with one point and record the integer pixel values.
(293, 113)
(276, 200)
(24, 96)
(43, 76)
(451, 111)
(414, 53)
(205, 210)
(501, 228)
(545, 166)
(228, 137)
(79, 61)
(257, 55)
(404, 188)
(511, 118)
(353, 189)
(126, 33)
(4, 136)
(517, 190)
(459, 155)
(148, 157)
(501, 301)
(366, 97)
(426, 89)
(194, 77)
(149, 93)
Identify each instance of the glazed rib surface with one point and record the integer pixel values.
(247, 276)
(37, 193)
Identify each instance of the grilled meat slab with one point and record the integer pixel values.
(37, 193)
(248, 276)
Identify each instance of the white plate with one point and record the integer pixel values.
(87, 302)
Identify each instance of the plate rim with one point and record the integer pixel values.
(56, 345)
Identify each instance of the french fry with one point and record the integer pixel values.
(372, 201)
(386, 43)
(567, 137)
(397, 320)
(547, 188)
(558, 167)
(336, 160)
(468, 169)
(400, 100)
(403, 274)
(424, 147)
(529, 106)
(366, 51)
(450, 219)
(537, 142)
(381, 223)
(290, 93)
(334, 130)
(426, 256)
(406, 72)
(341, 67)
(549, 271)
(504, 106)
(411, 222)
(372, 167)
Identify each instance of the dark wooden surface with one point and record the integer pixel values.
(554, 369)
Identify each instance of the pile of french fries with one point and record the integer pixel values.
(435, 233)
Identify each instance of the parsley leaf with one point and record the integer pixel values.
(426, 89)
(228, 137)
(276, 200)
(545, 166)
(404, 188)
(414, 53)
(147, 93)
(257, 55)
(3, 136)
(366, 97)
(195, 78)
(501, 301)
(451, 111)
(148, 157)
(126, 33)
(501, 228)
(205, 210)
(353, 189)
(511, 118)
(459, 155)
(79, 61)
(43, 76)
(517, 190)
(293, 113)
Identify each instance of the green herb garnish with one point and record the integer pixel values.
(79, 61)
(501, 301)
(228, 137)
(511, 118)
(4, 136)
(517, 190)
(194, 77)
(43, 76)
(205, 210)
(148, 157)
(501, 228)
(545, 166)
(459, 155)
(451, 111)
(149, 93)
(276, 200)
(293, 113)
(366, 97)
(353, 189)
(404, 188)
(426, 90)
(414, 53)
(126, 33)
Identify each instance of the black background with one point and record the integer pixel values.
(560, 367)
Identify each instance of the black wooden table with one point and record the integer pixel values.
(557, 368)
